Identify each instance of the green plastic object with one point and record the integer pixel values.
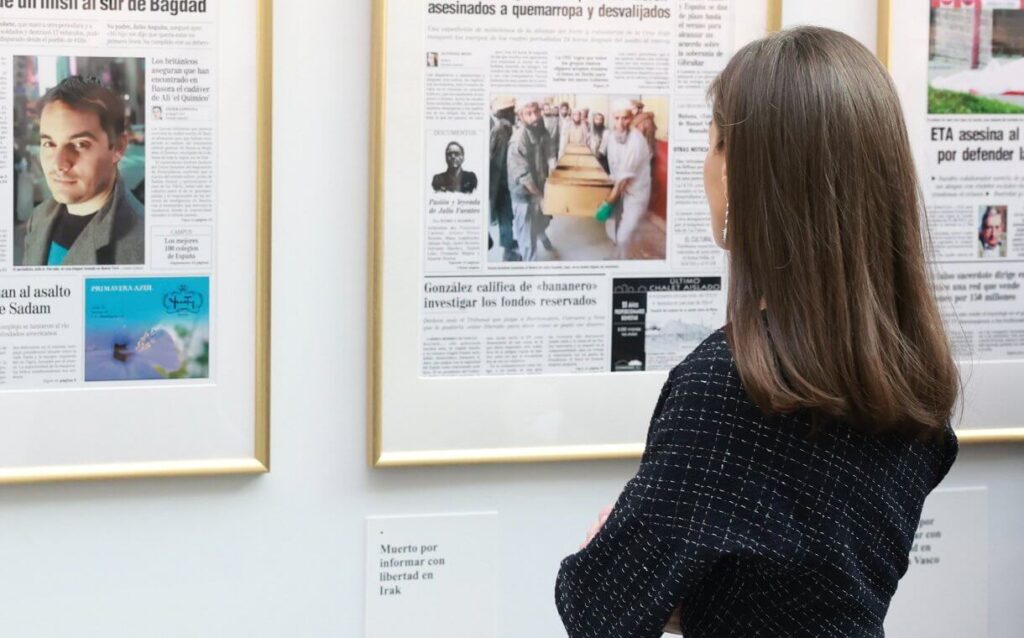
(604, 211)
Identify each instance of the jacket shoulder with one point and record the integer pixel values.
(130, 231)
(37, 233)
(713, 352)
(707, 377)
(41, 212)
(132, 202)
(515, 138)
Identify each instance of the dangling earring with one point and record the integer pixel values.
(725, 229)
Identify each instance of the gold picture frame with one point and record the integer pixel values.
(886, 27)
(379, 454)
(258, 461)
(883, 43)
(774, 15)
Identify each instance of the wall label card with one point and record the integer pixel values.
(432, 575)
(948, 561)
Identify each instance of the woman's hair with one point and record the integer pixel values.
(830, 303)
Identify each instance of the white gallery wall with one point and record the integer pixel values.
(282, 554)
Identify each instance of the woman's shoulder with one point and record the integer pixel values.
(704, 399)
(706, 383)
(711, 357)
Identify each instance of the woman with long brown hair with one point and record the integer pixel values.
(790, 454)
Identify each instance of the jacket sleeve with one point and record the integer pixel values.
(690, 505)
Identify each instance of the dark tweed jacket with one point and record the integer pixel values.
(754, 527)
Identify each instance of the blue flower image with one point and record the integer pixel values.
(147, 329)
(119, 355)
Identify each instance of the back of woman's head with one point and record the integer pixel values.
(825, 235)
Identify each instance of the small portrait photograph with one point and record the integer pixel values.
(158, 112)
(976, 57)
(578, 177)
(454, 178)
(147, 328)
(992, 225)
(431, 58)
(79, 161)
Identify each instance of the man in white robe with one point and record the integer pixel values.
(629, 162)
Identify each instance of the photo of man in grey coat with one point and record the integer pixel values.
(90, 218)
(528, 153)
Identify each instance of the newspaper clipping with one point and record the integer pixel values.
(107, 121)
(974, 172)
(564, 226)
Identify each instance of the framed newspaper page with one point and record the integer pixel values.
(513, 316)
(134, 244)
(959, 68)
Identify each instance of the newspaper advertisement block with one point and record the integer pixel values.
(108, 185)
(564, 228)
